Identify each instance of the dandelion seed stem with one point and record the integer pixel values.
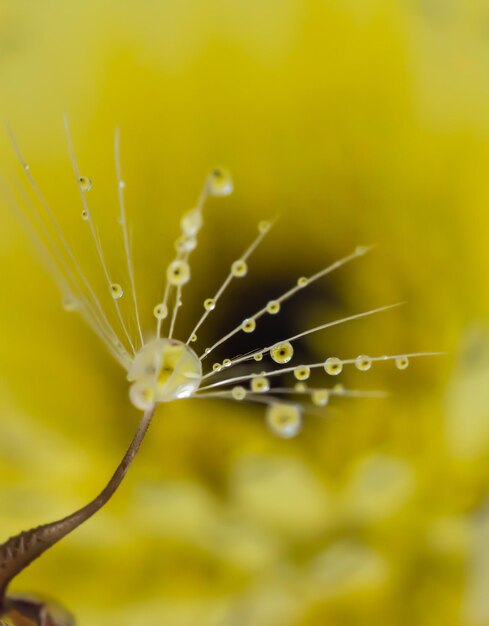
(19, 551)
(95, 235)
(343, 320)
(127, 246)
(244, 257)
(291, 292)
(101, 317)
(287, 370)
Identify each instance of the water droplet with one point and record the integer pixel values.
(70, 303)
(209, 304)
(178, 273)
(185, 244)
(226, 363)
(193, 338)
(191, 223)
(402, 362)
(282, 352)
(333, 366)
(207, 350)
(258, 356)
(363, 362)
(284, 420)
(239, 268)
(85, 215)
(338, 389)
(219, 182)
(238, 393)
(300, 387)
(320, 397)
(160, 311)
(260, 384)
(116, 291)
(302, 281)
(302, 372)
(85, 183)
(248, 326)
(273, 307)
(217, 367)
(264, 227)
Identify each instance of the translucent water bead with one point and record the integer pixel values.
(239, 268)
(248, 326)
(160, 311)
(116, 291)
(302, 372)
(282, 352)
(273, 307)
(333, 366)
(260, 384)
(162, 371)
(402, 363)
(363, 363)
(85, 183)
(209, 304)
(284, 420)
(219, 182)
(178, 273)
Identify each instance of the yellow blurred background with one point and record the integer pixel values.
(358, 121)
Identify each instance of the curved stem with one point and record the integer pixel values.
(19, 551)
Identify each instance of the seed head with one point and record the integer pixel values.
(161, 367)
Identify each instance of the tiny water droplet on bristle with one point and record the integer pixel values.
(302, 372)
(226, 363)
(333, 366)
(264, 227)
(209, 304)
(300, 387)
(178, 273)
(85, 215)
(207, 350)
(284, 420)
(160, 311)
(191, 223)
(185, 244)
(238, 393)
(85, 183)
(339, 389)
(116, 291)
(302, 281)
(239, 268)
(258, 356)
(70, 303)
(219, 182)
(402, 363)
(282, 352)
(320, 397)
(193, 338)
(363, 362)
(273, 307)
(248, 326)
(260, 384)
(217, 367)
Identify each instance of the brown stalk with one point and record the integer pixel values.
(19, 551)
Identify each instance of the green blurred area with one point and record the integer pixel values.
(358, 122)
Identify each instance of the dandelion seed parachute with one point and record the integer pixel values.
(159, 367)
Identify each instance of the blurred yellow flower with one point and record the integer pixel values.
(359, 122)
